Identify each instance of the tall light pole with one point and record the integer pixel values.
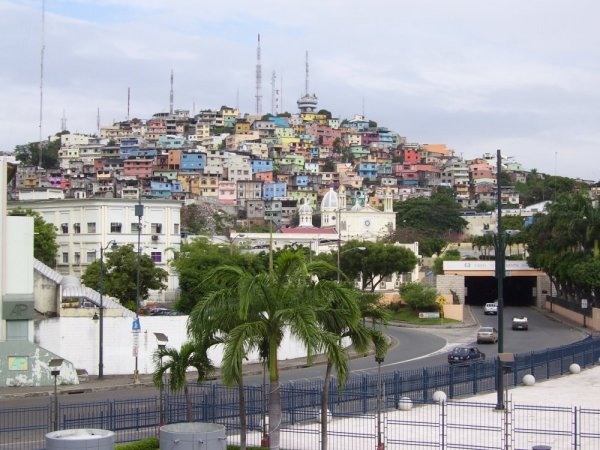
(54, 365)
(113, 246)
(161, 340)
(379, 360)
(499, 243)
(139, 212)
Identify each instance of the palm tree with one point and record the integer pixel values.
(177, 363)
(269, 304)
(211, 321)
(342, 319)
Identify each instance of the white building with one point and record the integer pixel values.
(83, 226)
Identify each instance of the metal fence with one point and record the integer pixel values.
(354, 422)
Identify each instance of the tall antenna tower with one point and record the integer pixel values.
(274, 95)
(306, 82)
(171, 96)
(258, 80)
(42, 79)
(63, 122)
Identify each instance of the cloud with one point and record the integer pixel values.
(521, 76)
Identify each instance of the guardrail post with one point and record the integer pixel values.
(425, 384)
(451, 381)
(365, 393)
(397, 388)
(475, 377)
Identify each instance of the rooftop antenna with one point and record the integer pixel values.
(273, 94)
(281, 90)
(193, 107)
(258, 79)
(63, 122)
(42, 79)
(98, 121)
(306, 81)
(171, 95)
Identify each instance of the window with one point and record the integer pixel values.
(156, 228)
(17, 330)
(135, 227)
(91, 257)
(176, 228)
(91, 227)
(77, 257)
(77, 228)
(156, 257)
(65, 258)
(115, 227)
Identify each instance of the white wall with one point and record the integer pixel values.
(77, 340)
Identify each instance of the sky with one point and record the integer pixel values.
(519, 76)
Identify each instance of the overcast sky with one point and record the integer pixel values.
(521, 76)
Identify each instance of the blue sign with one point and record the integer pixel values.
(135, 326)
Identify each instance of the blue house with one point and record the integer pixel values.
(368, 170)
(192, 162)
(272, 190)
(262, 165)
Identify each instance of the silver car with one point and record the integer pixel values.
(487, 334)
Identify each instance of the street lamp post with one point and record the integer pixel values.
(113, 246)
(379, 361)
(139, 212)
(161, 340)
(54, 365)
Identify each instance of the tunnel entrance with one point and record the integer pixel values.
(518, 291)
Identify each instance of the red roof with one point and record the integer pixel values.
(314, 230)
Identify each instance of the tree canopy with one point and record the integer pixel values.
(375, 261)
(45, 247)
(120, 275)
(564, 244)
(195, 259)
(29, 154)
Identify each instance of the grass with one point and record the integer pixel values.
(409, 316)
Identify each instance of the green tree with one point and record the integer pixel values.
(120, 275)
(29, 154)
(177, 363)
(564, 243)
(419, 297)
(268, 303)
(435, 216)
(375, 261)
(194, 260)
(45, 247)
(438, 263)
(341, 318)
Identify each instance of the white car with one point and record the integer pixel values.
(490, 308)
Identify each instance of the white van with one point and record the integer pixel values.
(490, 308)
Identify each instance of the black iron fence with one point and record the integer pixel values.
(25, 428)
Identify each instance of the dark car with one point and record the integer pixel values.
(464, 355)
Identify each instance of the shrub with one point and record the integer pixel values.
(144, 444)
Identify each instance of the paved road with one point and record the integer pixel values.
(411, 348)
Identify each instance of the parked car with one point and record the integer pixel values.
(520, 323)
(490, 308)
(465, 355)
(487, 334)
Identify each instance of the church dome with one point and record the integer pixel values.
(330, 200)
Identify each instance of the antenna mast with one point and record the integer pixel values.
(274, 95)
(42, 79)
(63, 122)
(306, 82)
(171, 96)
(258, 79)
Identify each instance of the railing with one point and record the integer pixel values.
(134, 419)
